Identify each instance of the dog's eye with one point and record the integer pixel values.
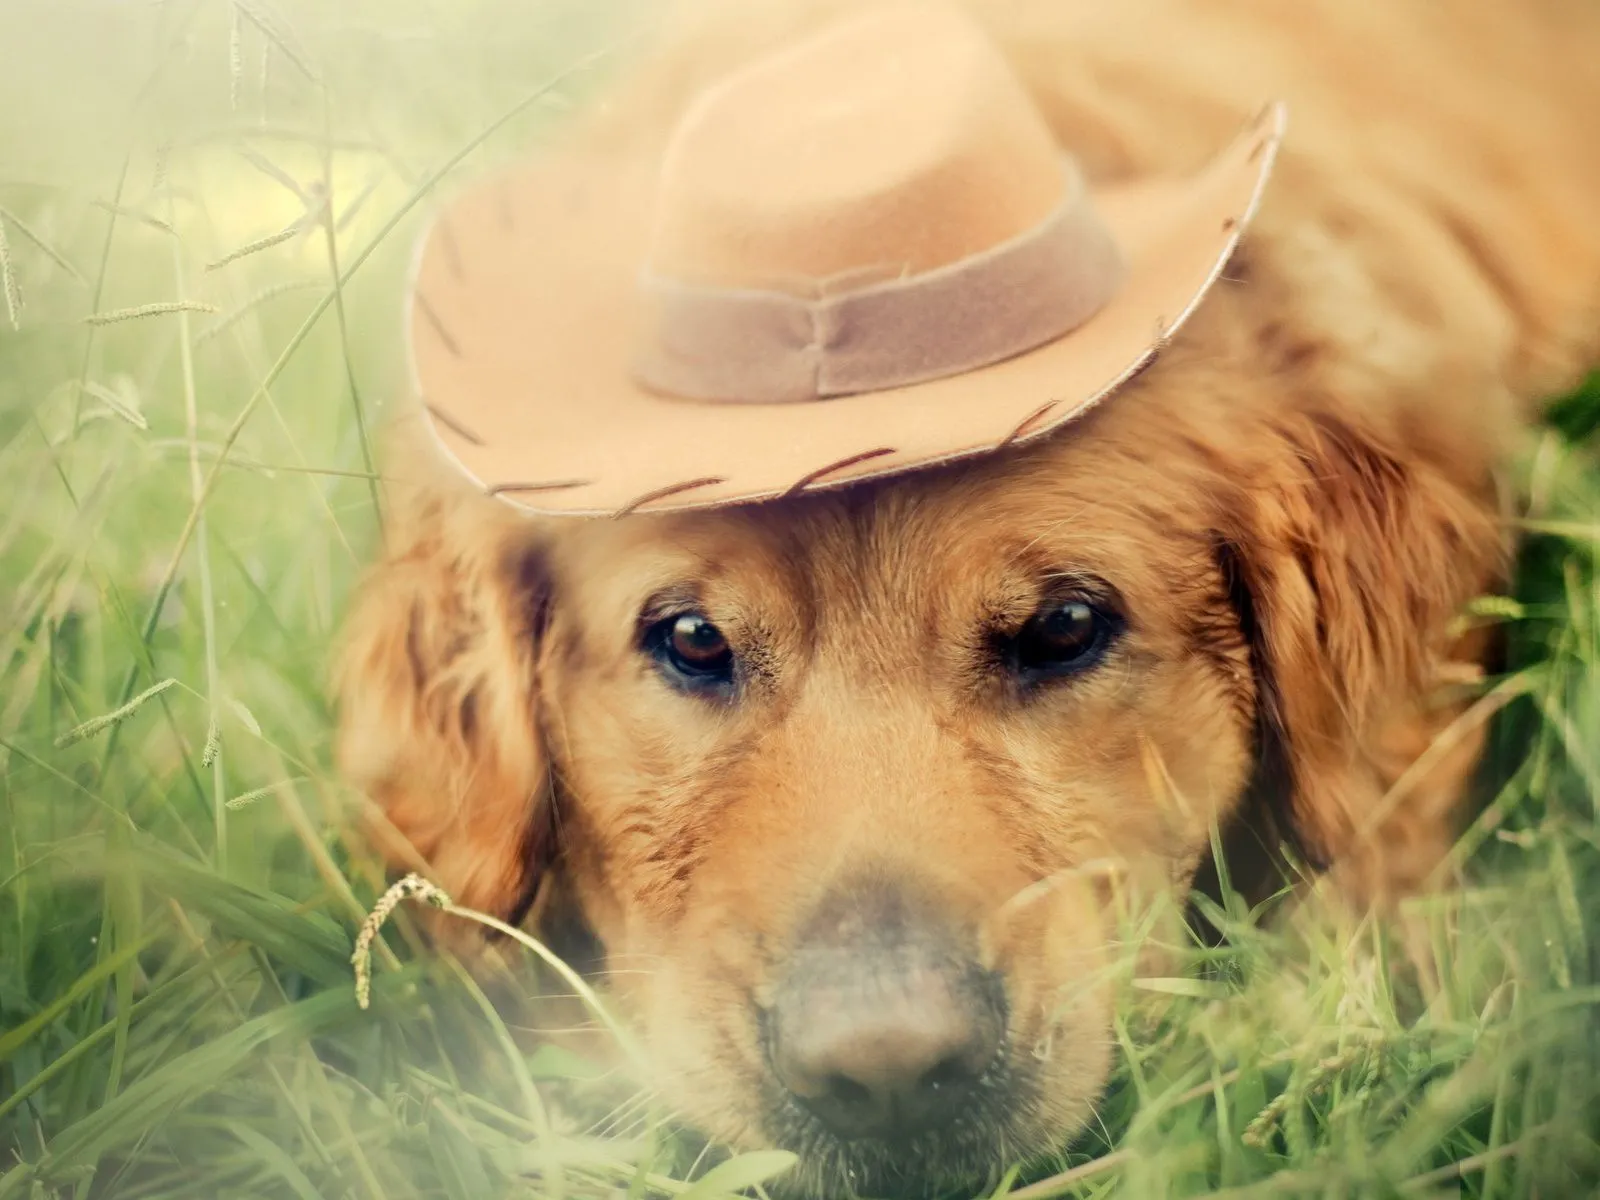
(692, 650)
(1066, 637)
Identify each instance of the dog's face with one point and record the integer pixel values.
(852, 788)
(845, 787)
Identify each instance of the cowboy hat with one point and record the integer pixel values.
(858, 256)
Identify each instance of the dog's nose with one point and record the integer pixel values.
(882, 1028)
(886, 1058)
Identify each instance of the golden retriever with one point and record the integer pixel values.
(849, 779)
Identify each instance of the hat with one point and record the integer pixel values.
(861, 255)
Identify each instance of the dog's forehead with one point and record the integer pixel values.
(960, 533)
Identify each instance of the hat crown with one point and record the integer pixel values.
(893, 144)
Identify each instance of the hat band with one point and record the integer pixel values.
(746, 345)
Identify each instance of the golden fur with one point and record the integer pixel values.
(1289, 507)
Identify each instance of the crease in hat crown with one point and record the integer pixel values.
(900, 138)
(889, 149)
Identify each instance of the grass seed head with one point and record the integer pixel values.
(413, 886)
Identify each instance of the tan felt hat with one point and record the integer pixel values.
(861, 255)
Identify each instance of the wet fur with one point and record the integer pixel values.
(1291, 504)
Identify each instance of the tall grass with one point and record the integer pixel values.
(205, 215)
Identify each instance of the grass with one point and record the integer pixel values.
(192, 355)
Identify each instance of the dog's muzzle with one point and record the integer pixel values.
(883, 1023)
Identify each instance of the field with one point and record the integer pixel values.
(206, 210)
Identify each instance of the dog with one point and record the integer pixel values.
(841, 787)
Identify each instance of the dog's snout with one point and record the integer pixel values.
(885, 1057)
(882, 1027)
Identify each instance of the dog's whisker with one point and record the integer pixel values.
(1097, 871)
(632, 1110)
(554, 1031)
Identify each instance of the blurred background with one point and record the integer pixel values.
(206, 211)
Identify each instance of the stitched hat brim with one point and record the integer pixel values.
(522, 322)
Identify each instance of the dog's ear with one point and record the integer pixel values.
(437, 687)
(1346, 559)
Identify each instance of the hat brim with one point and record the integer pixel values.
(522, 320)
